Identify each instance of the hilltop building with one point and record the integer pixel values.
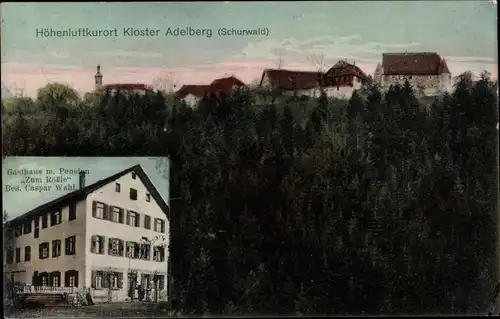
(112, 234)
(133, 88)
(426, 71)
(340, 81)
(192, 94)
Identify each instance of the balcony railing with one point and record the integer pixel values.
(48, 290)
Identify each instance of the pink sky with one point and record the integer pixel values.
(26, 79)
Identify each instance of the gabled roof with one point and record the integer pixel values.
(82, 194)
(126, 86)
(292, 80)
(343, 68)
(424, 63)
(196, 90)
(225, 85)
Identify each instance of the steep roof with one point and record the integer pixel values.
(196, 90)
(425, 63)
(292, 80)
(81, 194)
(126, 86)
(225, 85)
(343, 68)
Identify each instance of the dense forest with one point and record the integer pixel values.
(383, 204)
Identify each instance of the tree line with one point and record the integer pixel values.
(382, 205)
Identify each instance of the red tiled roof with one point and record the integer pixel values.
(225, 85)
(196, 90)
(413, 64)
(343, 68)
(126, 86)
(292, 80)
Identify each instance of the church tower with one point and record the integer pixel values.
(98, 78)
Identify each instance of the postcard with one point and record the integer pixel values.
(251, 158)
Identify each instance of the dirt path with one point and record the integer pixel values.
(115, 309)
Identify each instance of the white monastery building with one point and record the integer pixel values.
(133, 88)
(111, 235)
(425, 71)
(340, 81)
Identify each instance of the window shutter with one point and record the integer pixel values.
(58, 276)
(66, 246)
(66, 278)
(121, 216)
(76, 277)
(94, 208)
(93, 277)
(120, 280)
(121, 247)
(128, 217)
(102, 241)
(110, 246)
(106, 214)
(54, 243)
(92, 243)
(137, 250)
(106, 278)
(40, 251)
(137, 219)
(74, 245)
(51, 278)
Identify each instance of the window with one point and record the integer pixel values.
(117, 187)
(148, 198)
(133, 218)
(97, 281)
(18, 230)
(147, 222)
(9, 256)
(27, 253)
(18, 254)
(160, 281)
(71, 278)
(145, 252)
(44, 221)
(115, 247)
(27, 227)
(134, 175)
(97, 245)
(72, 212)
(36, 232)
(132, 249)
(98, 210)
(159, 225)
(117, 215)
(133, 194)
(43, 250)
(56, 248)
(55, 279)
(55, 218)
(44, 279)
(70, 245)
(104, 279)
(159, 253)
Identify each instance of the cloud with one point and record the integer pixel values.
(470, 59)
(349, 46)
(129, 54)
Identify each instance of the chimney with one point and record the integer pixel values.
(82, 179)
